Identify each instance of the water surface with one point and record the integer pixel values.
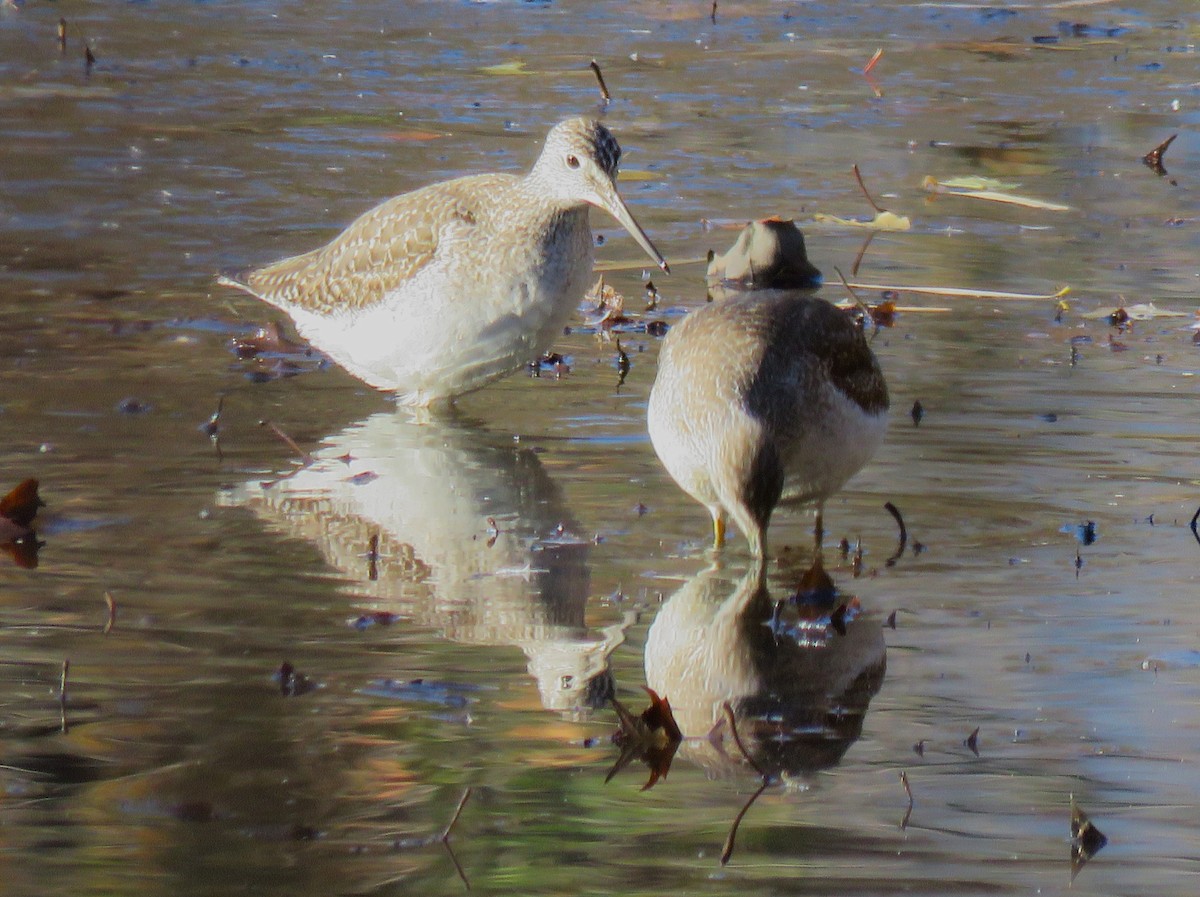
(532, 555)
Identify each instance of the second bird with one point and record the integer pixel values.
(766, 397)
(438, 292)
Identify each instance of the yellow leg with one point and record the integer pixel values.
(718, 531)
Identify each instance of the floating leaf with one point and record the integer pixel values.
(22, 503)
(638, 174)
(512, 67)
(652, 737)
(885, 220)
(932, 185)
(974, 182)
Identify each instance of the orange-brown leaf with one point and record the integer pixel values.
(21, 504)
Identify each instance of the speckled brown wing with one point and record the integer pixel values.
(381, 250)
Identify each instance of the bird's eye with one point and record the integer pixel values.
(572, 160)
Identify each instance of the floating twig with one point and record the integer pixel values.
(862, 250)
(89, 59)
(713, 14)
(291, 443)
(931, 185)
(1153, 159)
(112, 613)
(895, 512)
(62, 36)
(373, 558)
(604, 94)
(462, 802)
(727, 851)
(738, 740)
(961, 292)
(863, 187)
(212, 427)
(875, 57)
(62, 682)
(908, 791)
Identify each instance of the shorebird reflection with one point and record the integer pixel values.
(798, 682)
(471, 538)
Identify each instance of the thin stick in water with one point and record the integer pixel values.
(895, 512)
(604, 94)
(738, 740)
(112, 613)
(727, 852)
(462, 802)
(305, 456)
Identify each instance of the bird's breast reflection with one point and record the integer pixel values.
(457, 529)
(798, 673)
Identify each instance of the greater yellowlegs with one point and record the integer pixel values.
(437, 292)
(763, 397)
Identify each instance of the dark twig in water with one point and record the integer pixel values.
(862, 306)
(89, 59)
(62, 696)
(908, 791)
(462, 802)
(291, 443)
(457, 865)
(895, 512)
(1195, 518)
(62, 36)
(738, 739)
(713, 14)
(373, 558)
(1154, 158)
(112, 613)
(727, 852)
(604, 94)
(863, 187)
(862, 250)
(445, 839)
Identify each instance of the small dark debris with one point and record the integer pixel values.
(640, 509)
(1084, 533)
(919, 748)
(133, 405)
(378, 618)
(917, 413)
(973, 742)
(891, 620)
(291, 681)
(1086, 839)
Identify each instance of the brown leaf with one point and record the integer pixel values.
(21, 504)
(652, 738)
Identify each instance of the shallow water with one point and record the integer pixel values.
(208, 138)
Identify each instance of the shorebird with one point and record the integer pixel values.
(437, 292)
(765, 397)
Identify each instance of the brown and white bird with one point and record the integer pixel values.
(440, 291)
(762, 398)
